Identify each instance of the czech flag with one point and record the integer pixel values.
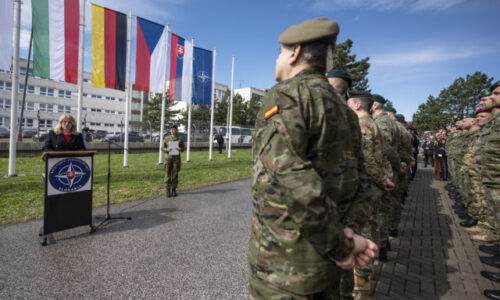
(109, 48)
(151, 55)
(181, 69)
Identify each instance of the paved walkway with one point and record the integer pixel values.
(433, 258)
(194, 247)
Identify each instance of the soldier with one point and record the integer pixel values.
(341, 82)
(428, 147)
(379, 170)
(305, 187)
(391, 144)
(172, 145)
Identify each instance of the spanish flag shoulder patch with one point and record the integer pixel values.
(270, 112)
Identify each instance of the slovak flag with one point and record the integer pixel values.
(181, 69)
(151, 55)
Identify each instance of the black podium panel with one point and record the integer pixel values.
(66, 211)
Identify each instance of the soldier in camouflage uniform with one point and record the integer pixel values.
(172, 162)
(488, 156)
(379, 171)
(307, 184)
(341, 82)
(391, 144)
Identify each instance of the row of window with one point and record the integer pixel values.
(44, 124)
(46, 107)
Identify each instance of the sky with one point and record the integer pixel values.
(416, 47)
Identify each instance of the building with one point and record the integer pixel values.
(248, 92)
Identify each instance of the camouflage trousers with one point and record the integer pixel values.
(492, 197)
(481, 209)
(397, 198)
(258, 289)
(172, 168)
(384, 219)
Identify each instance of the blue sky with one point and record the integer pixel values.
(416, 47)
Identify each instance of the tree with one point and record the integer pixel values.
(253, 107)
(152, 112)
(358, 70)
(220, 110)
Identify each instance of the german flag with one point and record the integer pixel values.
(109, 48)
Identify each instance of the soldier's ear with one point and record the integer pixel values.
(295, 54)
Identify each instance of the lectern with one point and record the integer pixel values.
(68, 191)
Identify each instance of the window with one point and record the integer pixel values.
(113, 98)
(30, 106)
(8, 86)
(1, 85)
(67, 109)
(22, 70)
(61, 94)
(50, 107)
(60, 108)
(21, 87)
(31, 89)
(6, 103)
(68, 94)
(50, 92)
(108, 98)
(85, 94)
(29, 123)
(4, 121)
(86, 80)
(94, 96)
(43, 91)
(120, 99)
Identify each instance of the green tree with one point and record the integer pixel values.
(221, 107)
(152, 112)
(357, 69)
(252, 109)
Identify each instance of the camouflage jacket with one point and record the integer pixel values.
(391, 139)
(488, 156)
(376, 164)
(405, 148)
(170, 138)
(307, 180)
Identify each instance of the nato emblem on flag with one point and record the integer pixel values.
(151, 55)
(202, 76)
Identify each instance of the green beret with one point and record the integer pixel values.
(472, 116)
(494, 86)
(459, 118)
(333, 73)
(310, 30)
(173, 126)
(390, 109)
(379, 99)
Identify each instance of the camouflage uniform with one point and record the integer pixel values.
(469, 164)
(378, 168)
(488, 156)
(391, 143)
(405, 153)
(308, 182)
(172, 162)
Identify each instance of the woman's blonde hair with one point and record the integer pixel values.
(59, 130)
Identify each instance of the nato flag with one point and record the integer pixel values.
(202, 76)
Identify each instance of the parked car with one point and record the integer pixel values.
(4, 132)
(29, 132)
(99, 134)
(41, 137)
(132, 137)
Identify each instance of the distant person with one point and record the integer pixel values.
(428, 147)
(341, 81)
(173, 145)
(220, 140)
(64, 137)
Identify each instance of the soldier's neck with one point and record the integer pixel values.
(377, 112)
(362, 114)
(495, 110)
(474, 128)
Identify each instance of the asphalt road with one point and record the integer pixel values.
(190, 247)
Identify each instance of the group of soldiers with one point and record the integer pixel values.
(331, 171)
(473, 152)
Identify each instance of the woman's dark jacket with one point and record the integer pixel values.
(57, 142)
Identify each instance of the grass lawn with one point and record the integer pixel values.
(21, 198)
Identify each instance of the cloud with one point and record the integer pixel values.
(424, 56)
(24, 41)
(413, 6)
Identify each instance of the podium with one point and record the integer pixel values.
(68, 191)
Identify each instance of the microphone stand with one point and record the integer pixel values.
(107, 217)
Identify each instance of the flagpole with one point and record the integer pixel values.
(15, 87)
(190, 103)
(128, 88)
(80, 67)
(211, 138)
(230, 129)
(163, 100)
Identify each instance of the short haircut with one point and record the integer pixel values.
(314, 54)
(364, 98)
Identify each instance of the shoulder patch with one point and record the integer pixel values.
(270, 112)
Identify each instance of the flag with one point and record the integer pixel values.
(151, 54)
(109, 48)
(6, 26)
(56, 28)
(202, 76)
(181, 58)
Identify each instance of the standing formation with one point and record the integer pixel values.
(330, 173)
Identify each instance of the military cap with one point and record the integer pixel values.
(379, 99)
(390, 109)
(459, 118)
(494, 86)
(400, 117)
(472, 116)
(173, 126)
(479, 111)
(333, 73)
(310, 30)
(360, 95)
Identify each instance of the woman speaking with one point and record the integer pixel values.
(64, 137)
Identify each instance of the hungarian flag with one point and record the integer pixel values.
(181, 69)
(56, 39)
(109, 48)
(151, 55)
